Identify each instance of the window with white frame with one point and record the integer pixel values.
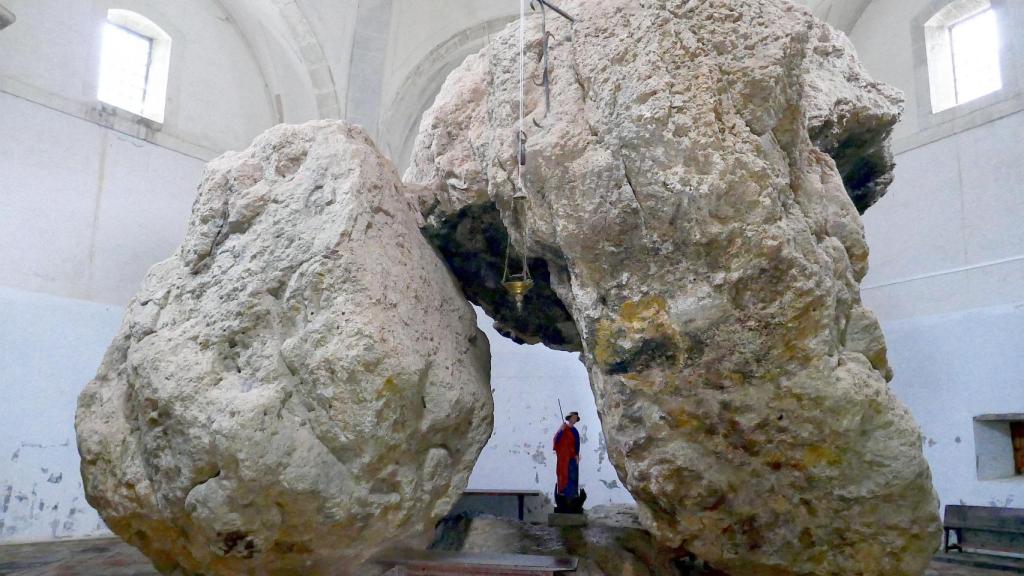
(134, 64)
(963, 53)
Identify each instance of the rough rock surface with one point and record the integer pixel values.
(850, 116)
(709, 256)
(612, 544)
(300, 384)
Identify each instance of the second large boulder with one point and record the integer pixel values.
(690, 220)
(301, 384)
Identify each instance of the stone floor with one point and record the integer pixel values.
(956, 564)
(945, 569)
(109, 557)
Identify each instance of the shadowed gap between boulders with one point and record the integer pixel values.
(473, 242)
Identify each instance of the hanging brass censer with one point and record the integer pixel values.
(517, 283)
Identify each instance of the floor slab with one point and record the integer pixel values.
(112, 557)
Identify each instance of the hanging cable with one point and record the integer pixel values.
(518, 284)
(520, 133)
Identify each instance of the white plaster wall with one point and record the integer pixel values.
(950, 368)
(334, 24)
(949, 235)
(49, 348)
(400, 52)
(368, 61)
(279, 57)
(947, 282)
(84, 210)
(947, 249)
(889, 37)
(217, 98)
(528, 381)
(883, 38)
(842, 14)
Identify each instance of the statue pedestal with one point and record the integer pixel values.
(559, 519)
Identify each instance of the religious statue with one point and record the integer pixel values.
(568, 496)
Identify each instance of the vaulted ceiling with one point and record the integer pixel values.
(380, 62)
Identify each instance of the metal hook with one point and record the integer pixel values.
(557, 10)
(545, 76)
(545, 79)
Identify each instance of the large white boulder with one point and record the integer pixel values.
(708, 255)
(301, 384)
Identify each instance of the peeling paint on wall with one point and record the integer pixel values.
(540, 456)
(39, 478)
(30, 505)
(1002, 503)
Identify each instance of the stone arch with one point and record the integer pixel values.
(367, 62)
(400, 121)
(299, 81)
(312, 55)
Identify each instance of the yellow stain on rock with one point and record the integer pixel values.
(643, 310)
(389, 388)
(815, 455)
(604, 349)
(641, 318)
(682, 419)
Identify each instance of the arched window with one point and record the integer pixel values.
(962, 41)
(134, 63)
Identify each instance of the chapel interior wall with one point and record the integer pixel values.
(947, 248)
(89, 203)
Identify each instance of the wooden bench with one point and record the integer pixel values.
(438, 563)
(984, 528)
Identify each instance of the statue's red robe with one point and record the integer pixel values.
(567, 448)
